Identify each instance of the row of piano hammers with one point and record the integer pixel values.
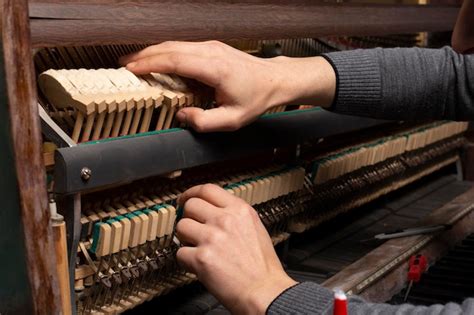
(345, 160)
(325, 201)
(102, 103)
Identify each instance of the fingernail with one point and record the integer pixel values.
(181, 116)
(131, 65)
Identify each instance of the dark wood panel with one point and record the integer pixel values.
(25, 140)
(105, 22)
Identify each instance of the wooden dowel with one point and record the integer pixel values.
(78, 127)
(108, 125)
(127, 122)
(161, 118)
(88, 128)
(98, 126)
(136, 121)
(117, 124)
(62, 269)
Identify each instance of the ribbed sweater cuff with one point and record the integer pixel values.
(303, 298)
(359, 85)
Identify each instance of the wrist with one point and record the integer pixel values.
(305, 81)
(259, 297)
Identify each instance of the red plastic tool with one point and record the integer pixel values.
(416, 267)
(340, 302)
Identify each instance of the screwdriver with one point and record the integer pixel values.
(417, 265)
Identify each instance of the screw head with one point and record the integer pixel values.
(86, 173)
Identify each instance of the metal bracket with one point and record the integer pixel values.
(52, 130)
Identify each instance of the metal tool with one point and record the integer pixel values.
(413, 231)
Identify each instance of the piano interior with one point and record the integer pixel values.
(116, 159)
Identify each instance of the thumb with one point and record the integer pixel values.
(221, 118)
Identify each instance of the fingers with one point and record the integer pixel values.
(223, 118)
(180, 63)
(190, 232)
(186, 257)
(199, 209)
(165, 48)
(213, 194)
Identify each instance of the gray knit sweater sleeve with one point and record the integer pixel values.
(311, 298)
(398, 83)
(404, 83)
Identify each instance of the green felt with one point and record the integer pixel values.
(110, 221)
(95, 236)
(130, 215)
(138, 135)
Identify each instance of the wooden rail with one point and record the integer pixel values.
(86, 22)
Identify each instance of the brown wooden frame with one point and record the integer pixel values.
(26, 141)
(56, 23)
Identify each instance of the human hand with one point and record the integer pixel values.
(226, 245)
(462, 39)
(245, 86)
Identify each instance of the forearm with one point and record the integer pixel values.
(404, 83)
(311, 298)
